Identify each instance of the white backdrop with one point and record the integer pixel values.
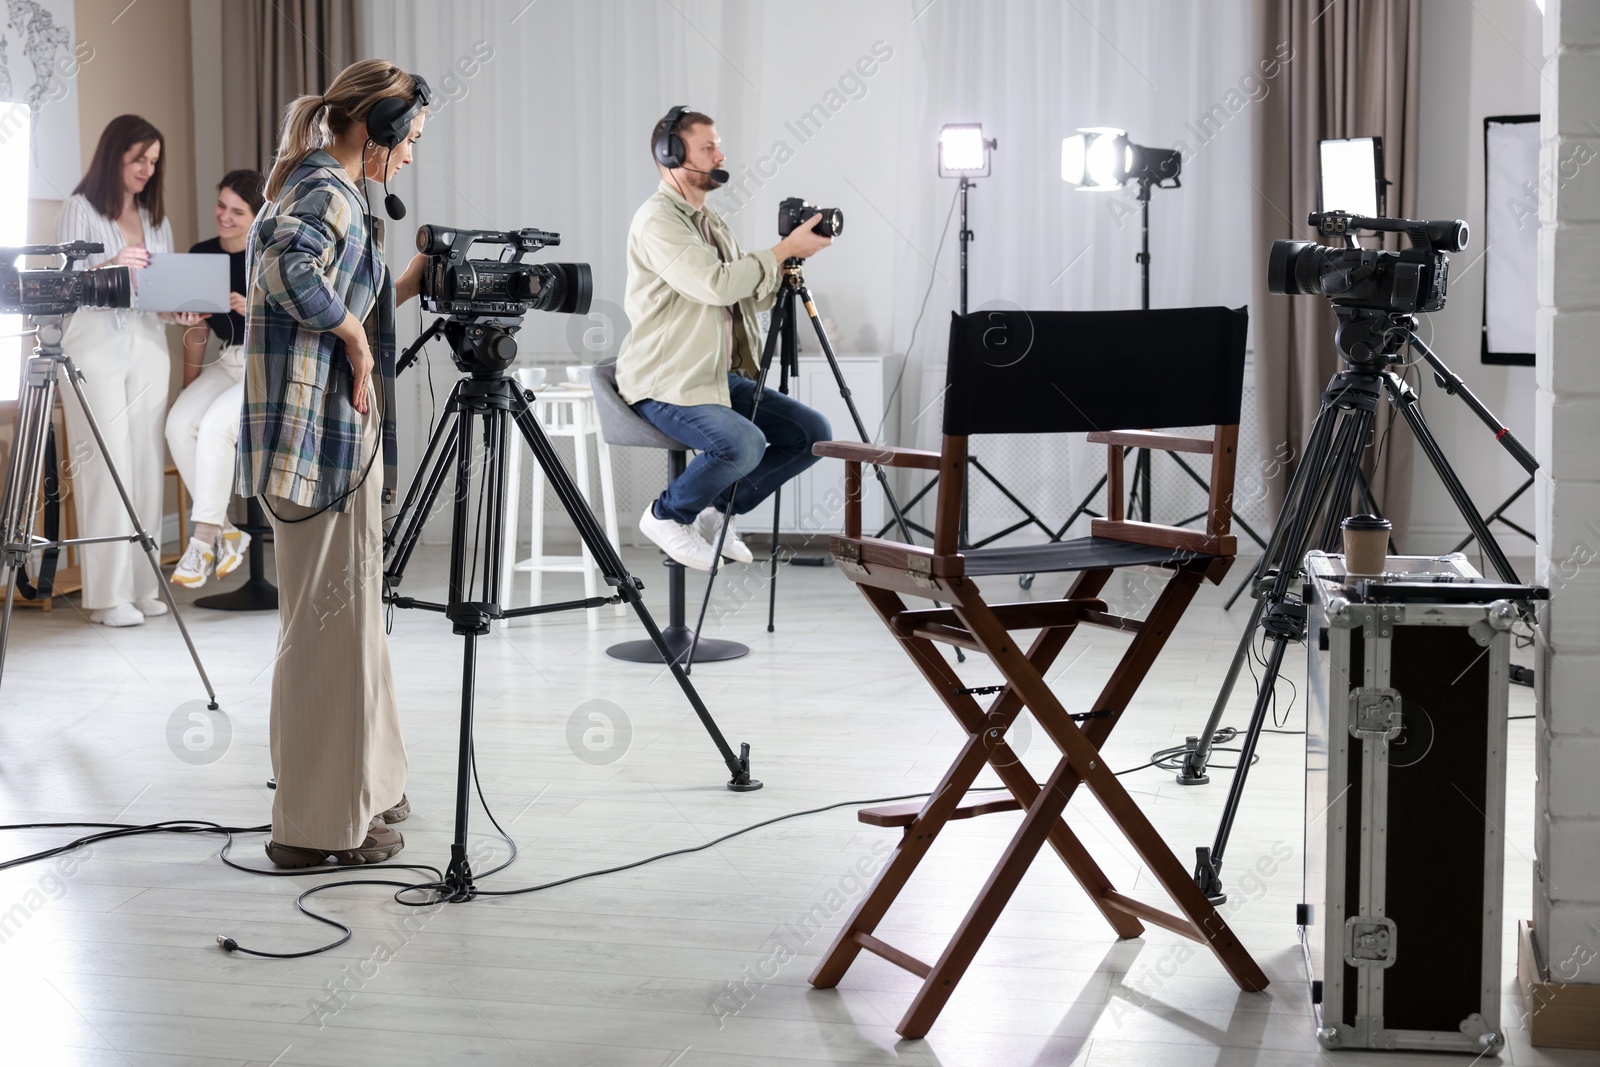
(550, 105)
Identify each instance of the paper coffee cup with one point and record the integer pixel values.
(1366, 544)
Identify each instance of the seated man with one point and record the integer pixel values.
(690, 363)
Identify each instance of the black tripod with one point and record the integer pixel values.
(783, 342)
(486, 401)
(1318, 499)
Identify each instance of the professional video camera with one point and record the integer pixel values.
(793, 211)
(454, 285)
(1411, 280)
(63, 290)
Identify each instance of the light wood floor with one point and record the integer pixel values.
(673, 964)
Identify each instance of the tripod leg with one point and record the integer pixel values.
(458, 875)
(772, 564)
(423, 493)
(611, 565)
(151, 549)
(1402, 396)
(1209, 862)
(18, 507)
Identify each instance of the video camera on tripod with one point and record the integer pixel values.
(62, 290)
(483, 300)
(1373, 290)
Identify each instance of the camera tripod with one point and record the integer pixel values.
(32, 450)
(481, 407)
(1318, 498)
(783, 342)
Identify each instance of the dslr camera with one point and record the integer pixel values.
(455, 285)
(1405, 282)
(43, 293)
(794, 211)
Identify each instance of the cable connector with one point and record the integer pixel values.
(228, 944)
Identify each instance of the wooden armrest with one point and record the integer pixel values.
(1161, 442)
(906, 814)
(882, 455)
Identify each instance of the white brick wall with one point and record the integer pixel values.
(1567, 441)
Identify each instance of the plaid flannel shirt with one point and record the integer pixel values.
(310, 263)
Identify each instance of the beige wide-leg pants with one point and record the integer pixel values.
(336, 745)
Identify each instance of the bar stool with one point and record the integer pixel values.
(566, 409)
(620, 425)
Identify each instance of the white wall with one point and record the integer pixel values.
(552, 132)
(1478, 59)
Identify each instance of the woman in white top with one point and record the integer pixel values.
(203, 425)
(126, 369)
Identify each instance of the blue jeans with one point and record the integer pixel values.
(734, 453)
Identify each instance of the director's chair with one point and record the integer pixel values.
(1110, 374)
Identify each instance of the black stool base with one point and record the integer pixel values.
(678, 639)
(254, 595)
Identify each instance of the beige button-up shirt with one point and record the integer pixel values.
(680, 293)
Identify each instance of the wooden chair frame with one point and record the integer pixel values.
(887, 571)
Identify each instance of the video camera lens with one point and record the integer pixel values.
(565, 288)
(1293, 268)
(107, 287)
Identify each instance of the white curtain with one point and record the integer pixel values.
(841, 103)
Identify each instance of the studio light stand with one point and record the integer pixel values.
(481, 409)
(32, 441)
(1318, 499)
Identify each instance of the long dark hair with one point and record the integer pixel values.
(102, 185)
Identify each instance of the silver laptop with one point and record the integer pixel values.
(183, 281)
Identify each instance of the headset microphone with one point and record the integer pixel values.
(717, 174)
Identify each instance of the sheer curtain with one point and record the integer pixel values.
(841, 102)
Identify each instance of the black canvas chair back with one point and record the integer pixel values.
(1118, 376)
(1091, 371)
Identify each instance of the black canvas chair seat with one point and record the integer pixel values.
(1079, 554)
(1118, 376)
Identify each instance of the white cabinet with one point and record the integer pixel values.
(814, 502)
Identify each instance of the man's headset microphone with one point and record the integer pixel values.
(670, 150)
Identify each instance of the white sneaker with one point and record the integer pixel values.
(194, 565)
(682, 542)
(708, 522)
(231, 547)
(151, 606)
(121, 615)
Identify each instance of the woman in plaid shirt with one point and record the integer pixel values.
(321, 320)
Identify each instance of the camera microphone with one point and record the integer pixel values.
(394, 206)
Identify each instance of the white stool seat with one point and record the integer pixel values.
(563, 409)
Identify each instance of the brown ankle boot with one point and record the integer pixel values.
(381, 843)
(399, 812)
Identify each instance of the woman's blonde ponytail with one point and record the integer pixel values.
(303, 133)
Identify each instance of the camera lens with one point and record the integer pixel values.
(1292, 267)
(108, 287)
(565, 288)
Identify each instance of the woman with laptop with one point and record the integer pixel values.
(122, 355)
(203, 425)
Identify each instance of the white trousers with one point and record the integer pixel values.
(125, 377)
(203, 435)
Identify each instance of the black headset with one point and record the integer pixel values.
(668, 147)
(388, 123)
(390, 118)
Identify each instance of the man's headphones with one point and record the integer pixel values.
(667, 146)
(390, 118)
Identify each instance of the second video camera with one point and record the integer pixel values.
(62, 291)
(1410, 280)
(454, 285)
